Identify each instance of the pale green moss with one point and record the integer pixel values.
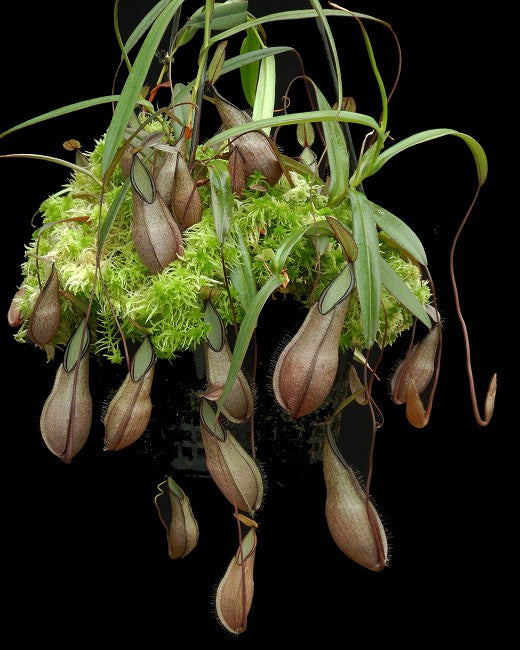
(168, 304)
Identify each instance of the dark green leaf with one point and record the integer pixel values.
(216, 335)
(225, 16)
(70, 108)
(402, 234)
(246, 331)
(242, 276)
(112, 213)
(134, 83)
(400, 290)
(142, 180)
(145, 23)
(77, 346)
(337, 290)
(143, 360)
(242, 60)
(222, 200)
(249, 71)
(366, 266)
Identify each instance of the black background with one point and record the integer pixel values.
(84, 550)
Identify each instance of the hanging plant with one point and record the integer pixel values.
(167, 240)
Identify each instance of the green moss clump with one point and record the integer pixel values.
(168, 305)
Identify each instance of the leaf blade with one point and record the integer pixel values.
(294, 118)
(250, 70)
(400, 232)
(402, 292)
(366, 266)
(134, 83)
(265, 91)
(296, 14)
(337, 154)
(144, 24)
(222, 200)
(475, 147)
(64, 110)
(246, 332)
(242, 276)
(242, 60)
(285, 248)
(112, 213)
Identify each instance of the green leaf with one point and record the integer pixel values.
(365, 165)
(64, 110)
(145, 23)
(399, 232)
(134, 83)
(476, 149)
(345, 239)
(242, 276)
(402, 292)
(222, 200)
(225, 16)
(337, 290)
(75, 350)
(142, 180)
(337, 154)
(250, 70)
(366, 266)
(143, 360)
(324, 116)
(217, 62)
(246, 331)
(216, 335)
(242, 60)
(292, 15)
(265, 91)
(285, 248)
(112, 213)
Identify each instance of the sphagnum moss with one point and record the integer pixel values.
(167, 305)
